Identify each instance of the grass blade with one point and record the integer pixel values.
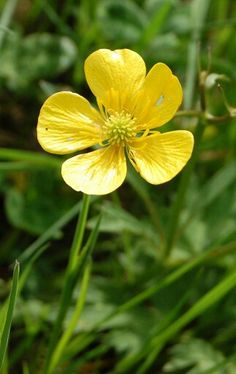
(74, 319)
(6, 17)
(71, 273)
(33, 158)
(9, 315)
(158, 342)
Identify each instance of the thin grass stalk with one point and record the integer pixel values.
(212, 297)
(6, 17)
(83, 260)
(199, 9)
(167, 320)
(9, 315)
(69, 279)
(87, 356)
(33, 158)
(158, 342)
(198, 21)
(58, 352)
(82, 342)
(22, 279)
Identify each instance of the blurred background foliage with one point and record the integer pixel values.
(139, 303)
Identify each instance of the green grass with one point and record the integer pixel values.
(7, 321)
(141, 280)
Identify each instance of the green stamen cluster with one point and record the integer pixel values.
(119, 128)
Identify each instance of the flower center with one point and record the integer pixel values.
(119, 127)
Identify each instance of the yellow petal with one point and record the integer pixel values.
(96, 173)
(159, 157)
(67, 122)
(114, 76)
(159, 99)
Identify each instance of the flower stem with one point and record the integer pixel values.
(74, 319)
(79, 233)
(188, 113)
(69, 283)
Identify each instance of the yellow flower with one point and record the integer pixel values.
(130, 104)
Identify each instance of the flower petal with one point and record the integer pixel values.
(159, 157)
(96, 173)
(159, 99)
(67, 122)
(114, 76)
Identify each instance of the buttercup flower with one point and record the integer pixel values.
(131, 104)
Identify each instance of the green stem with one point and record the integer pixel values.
(73, 322)
(69, 279)
(79, 233)
(188, 113)
(209, 117)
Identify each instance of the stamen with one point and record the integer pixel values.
(119, 127)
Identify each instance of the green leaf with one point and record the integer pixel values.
(125, 18)
(37, 56)
(117, 220)
(192, 355)
(41, 192)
